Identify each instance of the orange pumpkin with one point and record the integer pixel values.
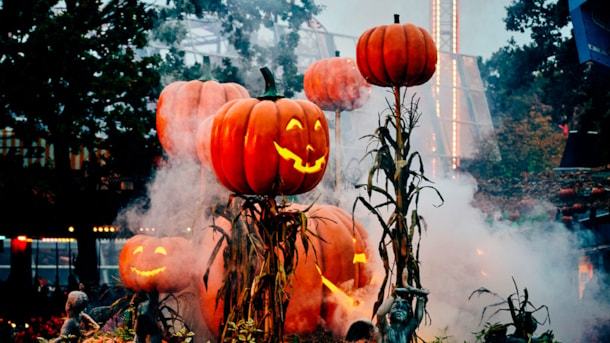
(335, 84)
(598, 192)
(567, 193)
(269, 145)
(396, 55)
(341, 262)
(183, 105)
(164, 265)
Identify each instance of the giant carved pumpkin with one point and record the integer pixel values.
(314, 301)
(335, 84)
(151, 264)
(183, 105)
(396, 55)
(269, 145)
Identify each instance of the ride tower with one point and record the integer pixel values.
(461, 112)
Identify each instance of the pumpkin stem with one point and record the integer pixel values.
(396, 19)
(270, 89)
(207, 70)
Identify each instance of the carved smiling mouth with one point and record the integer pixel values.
(298, 161)
(148, 273)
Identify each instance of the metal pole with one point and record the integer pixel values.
(337, 149)
(69, 257)
(56, 264)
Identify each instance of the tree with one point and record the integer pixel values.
(71, 75)
(237, 21)
(547, 67)
(546, 73)
(523, 144)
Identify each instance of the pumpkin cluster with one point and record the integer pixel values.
(340, 260)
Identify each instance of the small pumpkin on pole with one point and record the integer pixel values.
(335, 84)
(260, 148)
(397, 55)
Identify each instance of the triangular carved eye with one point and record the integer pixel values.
(294, 123)
(139, 249)
(160, 250)
(318, 125)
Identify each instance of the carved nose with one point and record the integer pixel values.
(309, 147)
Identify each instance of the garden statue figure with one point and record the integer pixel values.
(76, 318)
(403, 321)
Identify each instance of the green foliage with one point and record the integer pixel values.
(71, 74)
(237, 21)
(521, 311)
(547, 69)
(530, 144)
(243, 331)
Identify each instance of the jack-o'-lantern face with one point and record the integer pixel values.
(156, 264)
(151, 272)
(303, 163)
(269, 145)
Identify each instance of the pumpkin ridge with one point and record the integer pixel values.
(215, 144)
(233, 162)
(320, 69)
(333, 71)
(430, 66)
(261, 174)
(392, 50)
(310, 181)
(422, 74)
(382, 59)
(363, 63)
(406, 65)
(296, 179)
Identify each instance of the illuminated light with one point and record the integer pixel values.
(71, 229)
(454, 117)
(294, 123)
(480, 252)
(585, 274)
(148, 273)
(22, 238)
(360, 258)
(334, 289)
(318, 125)
(298, 161)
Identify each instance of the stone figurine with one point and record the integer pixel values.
(76, 318)
(403, 321)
